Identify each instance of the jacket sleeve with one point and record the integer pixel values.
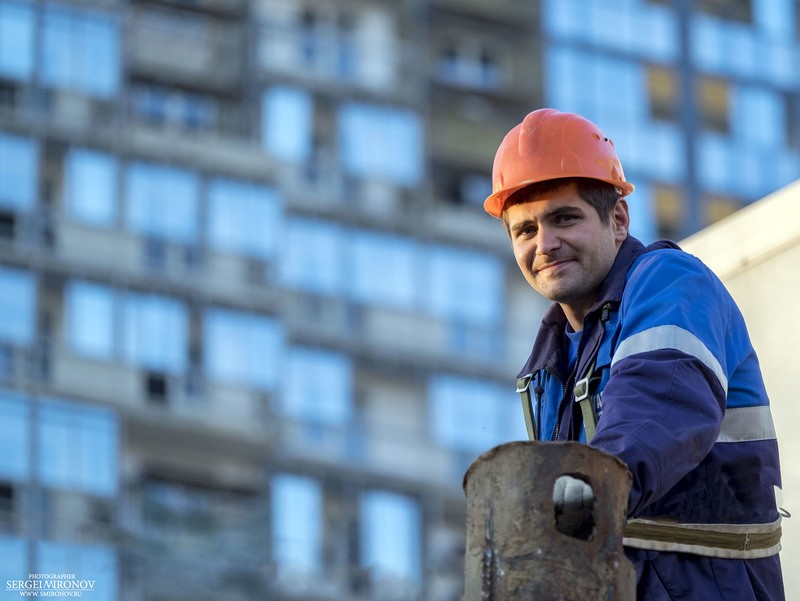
(664, 401)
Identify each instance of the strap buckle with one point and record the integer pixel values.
(581, 389)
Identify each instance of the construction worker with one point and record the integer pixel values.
(644, 355)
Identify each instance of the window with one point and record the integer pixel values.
(13, 559)
(643, 218)
(713, 103)
(326, 43)
(792, 104)
(296, 525)
(630, 27)
(571, 72)
(374, 256)
(658, 149)
(208, 521)
(391, 536)
(662, 84)
(718, 207)
(18, 172)
(162, 202)
(16, 40)
(470, 64)
(464, 285)
(242, 348)
(312, 257)
(17, 306)
(756, 170)
(318, 387)
(96, 563)
(474, 189)
(776, 18)
(670, 208)
(323, 42)
(14, 437)
(381, 143)
(347, 51)
(161, 106)
(287, 123)
(726, 47)
(709, 44)
(277, 34)
(155, 332)
(461, 186)
(759, 117)
(91, 188)
(149, 104)
(472, 416)
(90, 319)
(377, 49)
(243, 218)
(80, 51)
(715, 162)
(78, 447)
(308, 38)
(740, 10)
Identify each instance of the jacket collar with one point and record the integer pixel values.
(545, 351)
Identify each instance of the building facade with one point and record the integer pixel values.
(254, 324)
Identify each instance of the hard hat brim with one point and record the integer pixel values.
(495, 203)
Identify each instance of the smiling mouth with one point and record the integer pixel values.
(549, 267)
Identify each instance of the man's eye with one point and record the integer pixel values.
(565, 218)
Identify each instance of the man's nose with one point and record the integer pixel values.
(548, 241)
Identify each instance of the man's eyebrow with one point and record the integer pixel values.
(571, 209)
(558, 211)
(525, 223)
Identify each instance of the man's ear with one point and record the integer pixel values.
(620, 220)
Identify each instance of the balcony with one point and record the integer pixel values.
(183, 47)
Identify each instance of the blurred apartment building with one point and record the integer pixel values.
(254, 324)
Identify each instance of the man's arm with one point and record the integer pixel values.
(665, 398)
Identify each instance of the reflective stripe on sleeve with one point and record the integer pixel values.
(671, 337)
(741, 424)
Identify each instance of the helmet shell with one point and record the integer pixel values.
(549, 144)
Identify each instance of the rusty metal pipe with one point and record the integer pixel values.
(516, 551)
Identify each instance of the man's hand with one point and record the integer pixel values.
(574, 507)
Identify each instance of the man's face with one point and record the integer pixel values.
(563, 247)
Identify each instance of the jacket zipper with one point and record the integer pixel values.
(538, 391)
(566, 386)
(604, 315)
(554, 436)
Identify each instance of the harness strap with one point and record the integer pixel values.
(584, 400)
(524, 390)
(727, 541)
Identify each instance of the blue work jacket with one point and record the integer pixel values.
(680, 399)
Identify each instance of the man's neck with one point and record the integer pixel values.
(575, 316)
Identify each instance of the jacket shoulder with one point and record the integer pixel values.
(666, 261)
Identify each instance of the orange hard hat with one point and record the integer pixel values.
(549, 144)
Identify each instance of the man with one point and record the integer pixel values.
(645, 355)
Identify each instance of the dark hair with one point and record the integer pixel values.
(601, 195)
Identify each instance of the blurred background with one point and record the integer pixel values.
(254, 323)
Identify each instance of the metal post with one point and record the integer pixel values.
(515, 550)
